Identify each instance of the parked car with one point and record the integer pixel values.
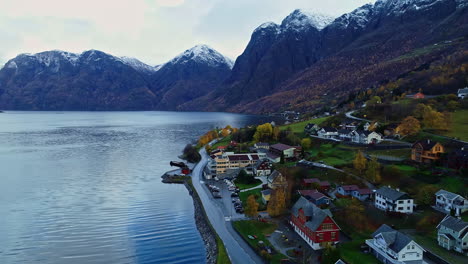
(234, 195)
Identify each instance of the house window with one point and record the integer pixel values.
(327, 226)
(408, 247)
(412, 247)
(400, 202)
(407, 208)
(403, 256)
(320, 236)
(333, 235)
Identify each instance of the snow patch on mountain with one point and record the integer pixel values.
(300, 20)
(268, 26)
(399, 7)
(357, 19)
(137, 64)
(203, 54)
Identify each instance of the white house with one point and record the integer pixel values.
(388, 199)
(447, 201)
(344, 134)
(452, 234)
(328, 132)
(463, 93)
(262, 168)
(365, 137)
(391, 246)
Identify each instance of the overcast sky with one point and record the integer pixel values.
(153, 31)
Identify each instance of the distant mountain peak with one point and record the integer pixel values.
(300, 19)
(202, 53)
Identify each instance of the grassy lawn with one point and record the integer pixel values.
(223, 257)
(258, 195)
(223, 142)
(260, 230)
(425, 135)
(243, 186)
(430, 243)
(351, 253)
(459, 125)
(464, 217)
(452, 184)
(299, 127)
(397, 153)
(333, 155)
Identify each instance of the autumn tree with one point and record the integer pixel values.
(277, 204)
(373, 171)
(360, 161)
(354, 214)
(225, 132)
(409, 126)
(306, 143)
(434, 119)
(263, 133)
(252, 206)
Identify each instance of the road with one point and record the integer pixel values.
(350, 115)
(238, 250)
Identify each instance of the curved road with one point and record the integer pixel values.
(238, 250)
(350, 115)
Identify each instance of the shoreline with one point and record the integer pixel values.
(204, 227)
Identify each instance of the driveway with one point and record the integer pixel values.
(350, 115)
(220, 218)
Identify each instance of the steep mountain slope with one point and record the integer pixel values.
(193, 73)
(94, 80)
(358, 50)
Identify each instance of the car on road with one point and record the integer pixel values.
(234, 195)
(217, 195)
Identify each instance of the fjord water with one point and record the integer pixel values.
(85, 187)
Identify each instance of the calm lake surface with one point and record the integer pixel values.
(85, 187)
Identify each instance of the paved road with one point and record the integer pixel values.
(238, 250)
(350, 115)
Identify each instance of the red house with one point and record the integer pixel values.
(324, 185)
(419, 96)
(314, 225)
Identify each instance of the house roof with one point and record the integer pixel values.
(281, 147)
(266, 192)
(329, 129)
(276, 176)
(395, 240)
(426, 144)
(344, 131)
(364, 191)
(316, 214)
(238, 157)
(314, 194)
(392, 194)
(463, 91)
(350, 187)
(261, 144)
(454, 224)
(447, 194)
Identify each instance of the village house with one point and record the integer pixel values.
(365, 137)
(344, 134)
(448, 201)
(328, 133)
(391, 130)
(362, 194)
(262, 168)
(277, 180)
(314, 225)
(452, 234)
(388, 199)
(311, 129)
(426, 151)
(289, 152)
(347, 190)
(261, 145)
(391, 246)
(349, 125)
(221, 163)
(315, 197)
(419, 96)
(462, 93)
(324, 186)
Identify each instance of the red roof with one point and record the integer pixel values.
(238, 157)
(350, 187)
(281, 147)
(364, 191)
(314, 194)
(419, 95)
(222, 147)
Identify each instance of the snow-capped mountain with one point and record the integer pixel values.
(300, 20)
(203, 54)
(95, 80)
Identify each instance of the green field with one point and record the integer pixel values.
(223, 142)
(248, 186)
(299, 127)
(351, 253)
(459, 126)
(430, 243)
(243, 196)
(223, 257)
(397, 153)
(260, 230)
(332, 155)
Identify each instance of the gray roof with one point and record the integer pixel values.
(392, 194)
(316, 214)
(273, 176)
(395, 240)
(454, 224)
(447, 194)
(266, 192)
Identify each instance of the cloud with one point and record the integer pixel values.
(170, 3)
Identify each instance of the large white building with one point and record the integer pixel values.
(391, 246)
(388, 199)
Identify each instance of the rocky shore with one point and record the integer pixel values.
(201, 220)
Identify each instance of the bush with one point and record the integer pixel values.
(191, 154)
